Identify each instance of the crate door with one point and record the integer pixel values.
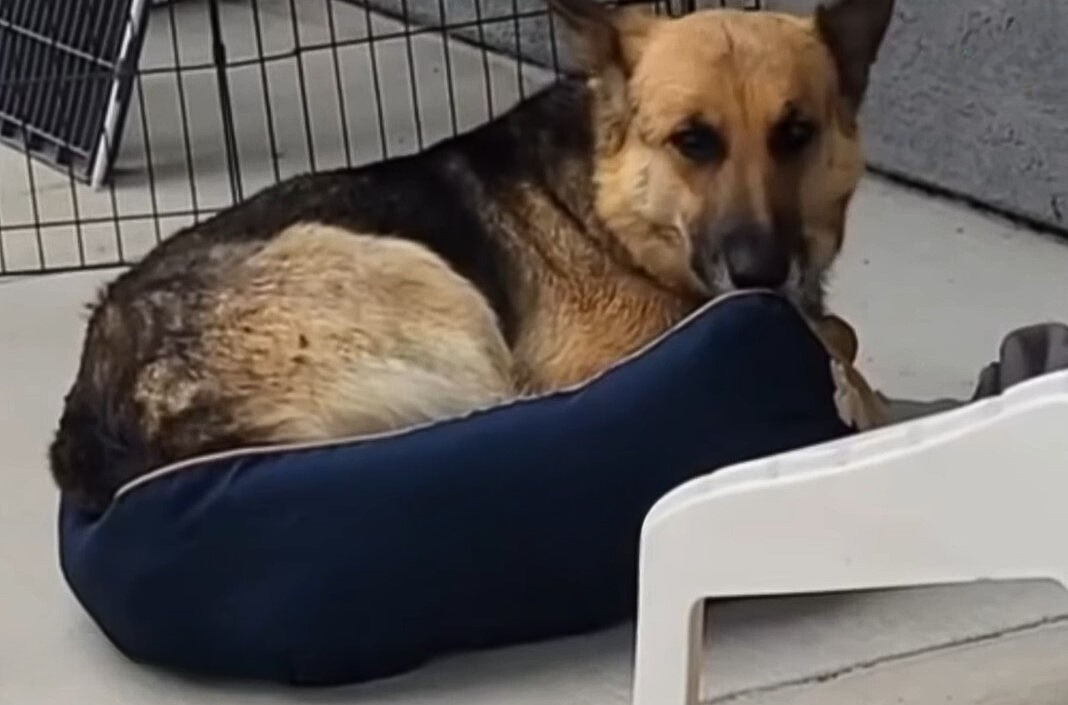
(66, 73)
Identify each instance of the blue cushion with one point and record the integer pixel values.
(358, 560)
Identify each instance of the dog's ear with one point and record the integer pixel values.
(606, 39)
(854, 30)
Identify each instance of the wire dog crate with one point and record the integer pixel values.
(122, 121)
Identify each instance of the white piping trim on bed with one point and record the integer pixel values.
(318, 445)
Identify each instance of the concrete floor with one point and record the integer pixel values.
(926, 282)
(931, 286)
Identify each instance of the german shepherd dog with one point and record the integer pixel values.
(694, 156)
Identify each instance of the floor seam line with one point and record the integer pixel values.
(840, 672)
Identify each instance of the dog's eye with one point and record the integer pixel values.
(791, 136)
(699, 143)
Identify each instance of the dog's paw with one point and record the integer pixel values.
(838, 337)
(858, 405)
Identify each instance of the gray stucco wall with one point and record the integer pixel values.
(972, 97)
(969, 96)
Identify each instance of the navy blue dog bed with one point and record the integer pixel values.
(358, 560)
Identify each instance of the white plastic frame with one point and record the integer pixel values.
(977, 493)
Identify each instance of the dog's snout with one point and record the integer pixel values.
(755, 258)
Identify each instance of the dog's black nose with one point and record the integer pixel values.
(756, 258)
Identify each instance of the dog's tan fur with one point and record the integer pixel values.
(306, 340)
(296, 328)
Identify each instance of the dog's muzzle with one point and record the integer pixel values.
(744, 257)
(756, 259)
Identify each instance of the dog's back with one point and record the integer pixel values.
(316, 334)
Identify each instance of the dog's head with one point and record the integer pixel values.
(727, 141)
